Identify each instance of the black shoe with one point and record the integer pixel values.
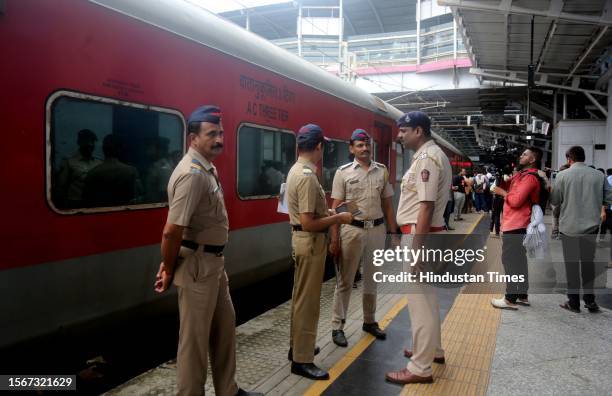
(290, 354)
(357, 277)
(592, 307)
(569, 307)
(373, 329)
(242, 392)
(309, 370)
(338, 338)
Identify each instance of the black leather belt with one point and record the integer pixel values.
(215, 249)
(298, 227)
(368, 223)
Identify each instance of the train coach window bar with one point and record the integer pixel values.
(108, 155)
(336, 153)
(265, 155)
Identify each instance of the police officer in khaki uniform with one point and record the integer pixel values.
(194, 236)
(366, 183)
(424, 193)
(310, 219)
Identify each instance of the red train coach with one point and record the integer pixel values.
(94, 100)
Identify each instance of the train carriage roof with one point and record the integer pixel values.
(193, 22)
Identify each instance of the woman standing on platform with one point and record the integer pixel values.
(469, 184)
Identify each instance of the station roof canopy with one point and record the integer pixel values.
(569, 38)
(360, 17)
(448, 110)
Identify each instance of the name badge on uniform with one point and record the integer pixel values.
(354, 181)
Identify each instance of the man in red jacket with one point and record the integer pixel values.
(524, 191)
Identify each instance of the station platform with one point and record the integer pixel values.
(541, 349)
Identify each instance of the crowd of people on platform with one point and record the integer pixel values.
(580, 197)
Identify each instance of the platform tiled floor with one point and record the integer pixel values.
(262, 345)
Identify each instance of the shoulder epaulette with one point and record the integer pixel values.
(196, 167)
(342, 167)
(379, 164)
(307, 171)
(423, 155)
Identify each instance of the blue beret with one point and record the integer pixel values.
(415, 119)
(310, 133)
(360, 134)
(206, 113)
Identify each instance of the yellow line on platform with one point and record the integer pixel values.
(469, 334)
(318, 387)
(473, 227)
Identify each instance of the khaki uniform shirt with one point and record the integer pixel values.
(196, 201)
(365, 188)
(304, 192)
(428, 179)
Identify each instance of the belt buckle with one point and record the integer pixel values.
(368, 224)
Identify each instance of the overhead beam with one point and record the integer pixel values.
(499, 7)
(467, 41)
(506, 39)
(546, 45)
(587, 52)
(382, 28)
(513, 77)
(596, 103)
(348, 21)
(564, 75)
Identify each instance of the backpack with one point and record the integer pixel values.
(479, 187)
(544, 193)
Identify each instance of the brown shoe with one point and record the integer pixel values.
(406, 377)
(439, 360)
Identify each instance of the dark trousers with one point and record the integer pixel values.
(514, 259)
(606, 227)
(450, 207)
(488, 200)
(498, 206)
(481, 203)
(579, 254)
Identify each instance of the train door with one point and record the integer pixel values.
(384, 143)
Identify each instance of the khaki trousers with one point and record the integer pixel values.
(208, 326)
(357, 243)
(309, 252)
(424, 311)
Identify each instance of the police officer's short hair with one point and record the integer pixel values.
(309, 145)
(575, 153)
(609, 171)
(194, 127)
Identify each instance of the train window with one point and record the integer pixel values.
(106, 155)
(336, 153)
(265, 156)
